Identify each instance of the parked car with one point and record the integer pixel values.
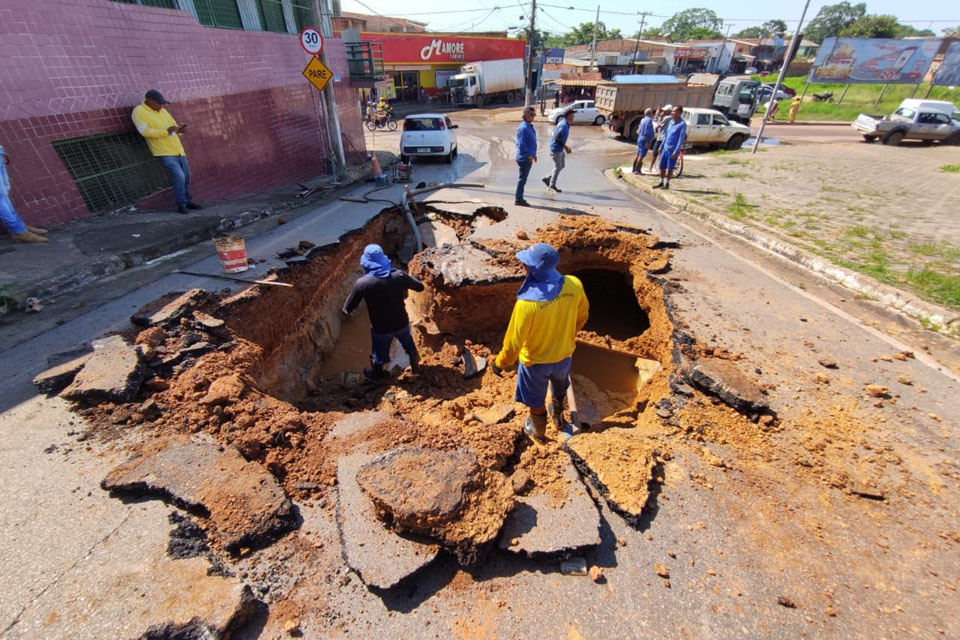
(926, 120)
(585, 112)
(787, 90)
(708, 127)
(767, 90)
(750, 71)
(428, 134)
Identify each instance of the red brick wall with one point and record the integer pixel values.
(77, 67)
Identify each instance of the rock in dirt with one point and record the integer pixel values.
(784, 601)
(724, 379)
(113, 372)
(56, 378)
(168, 309)
(620, 464)
(379, 556)
(828, 363)
(596, 574)
(446, 495)
(355, 423)
(865, 490)
(244, 503)
(207, 321)
(877, 391)
(521, 482)
(224, 389)
(574, 567)
(497, 414)
(541, 526)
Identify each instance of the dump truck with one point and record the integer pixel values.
(623, 104)
(480, 83)
(926, 120)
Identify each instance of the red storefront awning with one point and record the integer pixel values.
(442, 48)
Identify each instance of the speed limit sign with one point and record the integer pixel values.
(311, 40)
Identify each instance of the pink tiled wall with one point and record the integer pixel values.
(77, 67)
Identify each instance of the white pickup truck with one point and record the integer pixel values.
(925, 120)
(707, 127)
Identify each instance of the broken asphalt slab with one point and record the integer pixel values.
(724, 379)
(168, 308)
(542, 526)
(243, 501)
(113, 372)
(55, 379)
(379, 556)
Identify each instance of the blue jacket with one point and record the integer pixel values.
(560, 135)
(646, 130)
(526, 141)
(676, 136)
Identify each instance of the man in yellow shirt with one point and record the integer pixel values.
(162, 134)
(549, 311)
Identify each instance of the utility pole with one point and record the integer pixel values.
(593, 45)
(531, 43)
(328, 101)
(794, 42)
(723, 49)
(636, 50)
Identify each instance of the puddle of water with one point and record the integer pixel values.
(606, 382)
(763, 142)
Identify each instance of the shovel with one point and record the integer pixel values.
(471, 366)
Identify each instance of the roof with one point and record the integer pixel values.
(423, 115)
(808, 43)
(644, 79)
(381, 21)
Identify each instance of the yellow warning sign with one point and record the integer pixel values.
(317, 73)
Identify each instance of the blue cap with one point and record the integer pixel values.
(539, 256)
(544, 282)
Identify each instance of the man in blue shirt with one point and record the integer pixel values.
(672, 144)
(526, 152)
(644, 140)
(558, 149)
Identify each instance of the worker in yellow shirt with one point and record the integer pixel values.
(549, 311)
(162, 134)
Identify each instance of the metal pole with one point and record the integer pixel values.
(723, 48)
(531, 42)
(783, 72)
(593, 44)
(929, 89)
(844, 93)
(914, 92)
(636, 50)
(880, 97)
(329, 101)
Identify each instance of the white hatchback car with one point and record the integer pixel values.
(428, 134)
(584, 112)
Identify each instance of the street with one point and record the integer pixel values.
(836, 519)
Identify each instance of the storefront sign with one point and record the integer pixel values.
(690, 53)
(552, 56)
(419, 48)
(873, 61)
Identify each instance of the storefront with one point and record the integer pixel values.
(419, 65)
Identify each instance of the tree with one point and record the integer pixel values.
(952, 32)
(749, 32)
(872, 26)
(834, 18)
(906, 31)
(690, 23)
(651, 32)
(774, 27)
(583, 34)
(541, 39)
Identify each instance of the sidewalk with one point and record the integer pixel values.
(81, 252)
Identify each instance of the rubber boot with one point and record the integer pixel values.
(536, 427)
(414, 362)
(28, 238)
(375, 372)
(556, 413)
(37, 230)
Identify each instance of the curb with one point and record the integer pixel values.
(940, 319)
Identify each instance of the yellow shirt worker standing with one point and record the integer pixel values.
(162, 134)
(549, 311)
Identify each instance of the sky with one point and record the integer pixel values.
(482, 15)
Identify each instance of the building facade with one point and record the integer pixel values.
(231, 68)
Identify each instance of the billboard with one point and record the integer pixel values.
(873, 61)
(948, 75)
(442, 48)
(552, 56)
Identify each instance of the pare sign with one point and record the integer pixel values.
(453, 50)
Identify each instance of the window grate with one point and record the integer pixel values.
(112, 170)
(163, 4)
(271, 15)
(219, 13)
(302, 13)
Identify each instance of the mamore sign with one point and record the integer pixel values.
(452, 50)
(873, 61)
(442, 48)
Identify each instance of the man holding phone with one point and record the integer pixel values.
(162, 134)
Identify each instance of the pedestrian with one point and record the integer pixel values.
(162, 134)
(384, 289)
(19, 230)
(774, 107)
(662, 124)
(644, 140)
(549, 311)
(526, 152)
(559, 150)
(672, 145)
(794, 107)
(556, 99)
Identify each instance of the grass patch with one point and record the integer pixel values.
(940, 287)
(943, 250)
(950, 168)
(734, 174)
(739, 208)
(858, 231)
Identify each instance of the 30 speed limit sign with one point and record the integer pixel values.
(311, 41)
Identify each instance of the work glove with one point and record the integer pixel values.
(497, 371)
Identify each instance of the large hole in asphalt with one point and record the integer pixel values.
(614, 309)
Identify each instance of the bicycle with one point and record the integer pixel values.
(382, 120)
(679, 170)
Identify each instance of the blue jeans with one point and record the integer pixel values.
(522, 180)
(179, 176)
(10, 219)
(382, 342)
(532, 382)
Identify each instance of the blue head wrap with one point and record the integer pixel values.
(543, 283)
(375, 262)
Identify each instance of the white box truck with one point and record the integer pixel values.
(480, 83)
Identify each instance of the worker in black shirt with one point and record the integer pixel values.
(385, 290)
